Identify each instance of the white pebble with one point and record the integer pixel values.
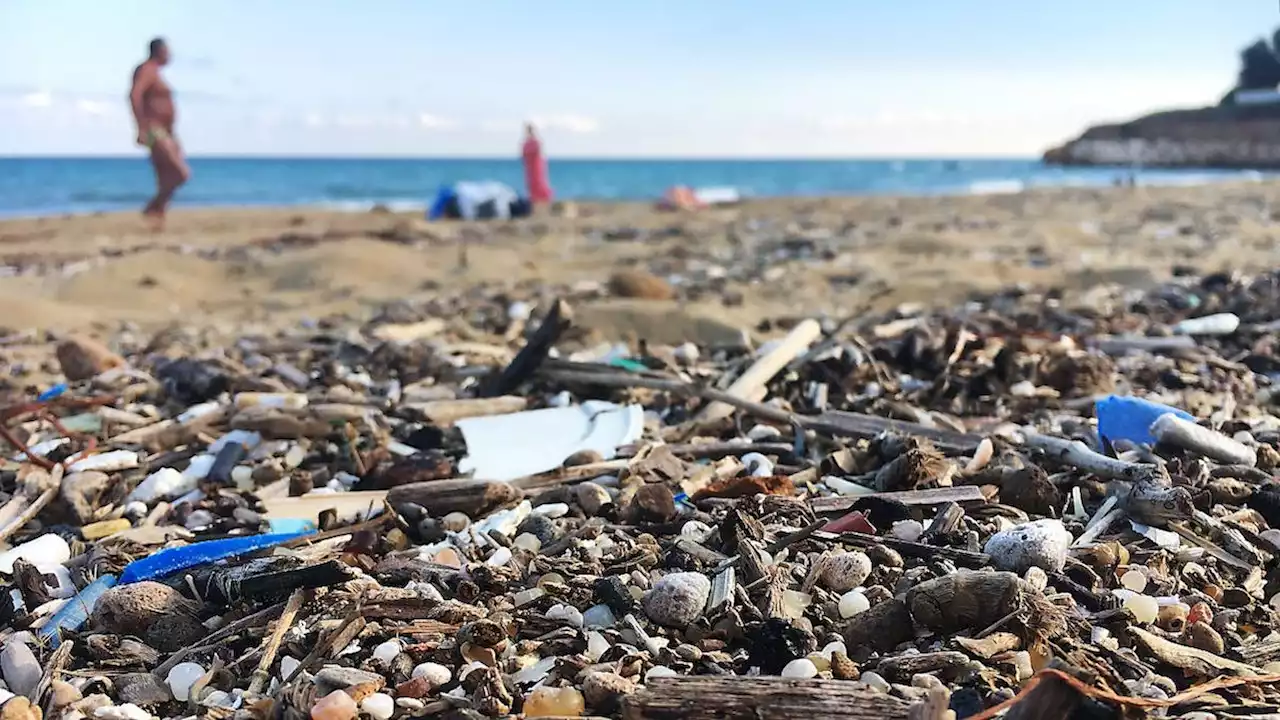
(435, 673)
(552, 510)
(295, 456)
(410, 704)
(287, 665)
(875, 681)
(659, 671)
(1145, 609)
(500, 557)
(832, 648)
(527, 541)
(845, 571)
(571, 615)
(1042, 544)
(696, 530)
(908, 530)
(763, 432)
(181, 678)
(1135, 580)
(802, 668)
(853, 603)
(758, 465)
(519, 310)
(127, 711)
(1037, 578)
(379, 706)
(387, 651)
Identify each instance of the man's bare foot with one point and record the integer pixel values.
(155, 219)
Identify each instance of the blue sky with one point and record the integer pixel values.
(615, 77)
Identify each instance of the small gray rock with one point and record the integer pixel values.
(677, 599)
(845, 571)
(1042, 544)
(592, 497)
(340, 678)
(21, 668)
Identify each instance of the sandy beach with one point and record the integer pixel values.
(236, 269)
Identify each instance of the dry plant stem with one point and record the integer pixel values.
(1107, 515)
(1172, 430)
(344, 634)
(1191, 660)
(263, 672)
(213, 640)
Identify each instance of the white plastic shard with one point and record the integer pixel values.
(506, 447)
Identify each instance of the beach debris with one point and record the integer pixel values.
(459, 508)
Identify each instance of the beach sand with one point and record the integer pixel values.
(239, 269)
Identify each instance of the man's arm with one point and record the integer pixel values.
(142, 79)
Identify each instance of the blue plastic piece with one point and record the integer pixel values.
(77, 610)
(1123, 417)
(291, 525)
(171, 560)
(52, 392)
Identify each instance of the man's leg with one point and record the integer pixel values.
(171, 172)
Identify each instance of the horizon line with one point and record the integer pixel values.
(561, 158)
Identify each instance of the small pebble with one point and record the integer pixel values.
(436, 674)
(552, 510)
(337, 705)
(287, 665)
(853, 603)
(527, 541)
(591, 498)
(455, 522)
(802, 668)
(378, 706)
(1134, 580)
(387, 651)
(677, 599)
(658, 671)
(599, 616)
(908, 530)
(127, 711)
(568, 613)
(554, 702)
(411, 704)
(875, 681)
(1041, 543)
(1145, 609)
(21, 668)
(845, 571)
(181, 678)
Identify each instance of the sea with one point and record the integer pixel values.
(32, 186)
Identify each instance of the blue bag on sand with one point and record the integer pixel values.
(1124, 417)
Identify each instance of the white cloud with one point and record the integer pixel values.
(435, 122)
(568, 122)
(314, 120)
(91, 107)
(38, 99)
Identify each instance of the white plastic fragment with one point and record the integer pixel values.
(1216, 324)
(379, 706)
(800, 668)
(1166, 539)
(387, 651)
(48, 549)
(163, 483)
(435, 674)
(106, 462)
(758, 465)
(506, 447)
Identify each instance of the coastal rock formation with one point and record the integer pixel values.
(1241, 132)
(1226, 136)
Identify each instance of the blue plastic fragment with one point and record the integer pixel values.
(1123, 417)
(291, 525)
(77, 610)
(52, 392)
(171, 560)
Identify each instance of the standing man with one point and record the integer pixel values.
(153, 109)
(535, 168)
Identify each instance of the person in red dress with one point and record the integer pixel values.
(535, 168)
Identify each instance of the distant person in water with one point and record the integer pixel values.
(153, 109)
(535, 168)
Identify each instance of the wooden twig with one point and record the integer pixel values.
(930, 496)
(263, 671)
(33, 509)
(339, 638)
(1080, 456)
(526, 362)
(216, 638)
(763, 369)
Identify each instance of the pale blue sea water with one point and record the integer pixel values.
(42, 186)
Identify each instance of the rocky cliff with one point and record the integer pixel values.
(1226, 136)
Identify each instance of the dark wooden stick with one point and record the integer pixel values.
(526, 362)
(731, 697)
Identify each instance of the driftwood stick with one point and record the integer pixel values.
(163, 669)
(763, 369)
(1188, 659)
(526, 362)
(1079, 455)
(730, 697)
(1169, 429)
(263, 671)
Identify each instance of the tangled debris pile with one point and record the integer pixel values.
(904, 516)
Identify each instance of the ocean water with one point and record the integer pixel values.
(42, 186)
